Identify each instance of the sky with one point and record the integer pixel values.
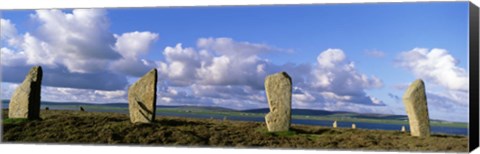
(341, 57)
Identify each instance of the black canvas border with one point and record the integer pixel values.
(474, 83)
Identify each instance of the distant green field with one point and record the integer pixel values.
(344, 117)
(339, 117)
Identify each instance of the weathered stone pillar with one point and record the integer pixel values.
(415, 101)
(142, 98)
(354, 126)
(278, 88)
(403, 129)
(25, 101)
(334, 124)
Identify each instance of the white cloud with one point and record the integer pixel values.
(336, 79)
(446, 83)
(330, 57)
(77, 47)
(82, 95)
(74, 48)
(215, 73)
(38, 52)
(78, 40)
(437, 66)
(180, 65)
(8, 29)
(8, 32)
(132, 46)
(11, 58)
(216, 62)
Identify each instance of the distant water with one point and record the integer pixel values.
(327, 123)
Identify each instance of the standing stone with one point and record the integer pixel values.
(142, 98)
(354, 126)
(25, 101)
(278, 88)
(415, 102)
(334, 124)
(403, 129)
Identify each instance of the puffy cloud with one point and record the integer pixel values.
(214, 72)
(330, 57)
(82, 59)
(74, 48)
(38, 52)
(437, 66)
(180, 65)
(438, 69)
(78, 40)
(237, 63)
(12, 58)
(8, 32)
(338, 80)
(217, 62)
(8, 29)
(132, 46)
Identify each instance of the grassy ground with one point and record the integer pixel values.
(75, 127)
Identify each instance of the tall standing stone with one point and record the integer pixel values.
(415, 101)
(278, 88)
(142, 98)
(25, 101)
(334, 124)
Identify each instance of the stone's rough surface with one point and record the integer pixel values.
(142, 98)
(278, 88)
(415, 102)
(335, 124)
(25, 101)
(354, 126)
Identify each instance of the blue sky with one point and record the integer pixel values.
(219, 56)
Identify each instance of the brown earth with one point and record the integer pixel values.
(75, 127)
